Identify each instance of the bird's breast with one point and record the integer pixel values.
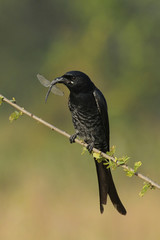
(86, 119)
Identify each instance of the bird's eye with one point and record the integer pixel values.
(73, 77)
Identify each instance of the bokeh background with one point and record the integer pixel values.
(48, 190)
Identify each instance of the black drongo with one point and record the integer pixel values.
(90, 118)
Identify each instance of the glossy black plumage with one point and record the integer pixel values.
(90, 118)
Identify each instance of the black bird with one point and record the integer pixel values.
(90, 118)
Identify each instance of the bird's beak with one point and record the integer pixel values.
(55, 81)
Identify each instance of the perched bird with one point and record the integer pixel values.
(90, 119)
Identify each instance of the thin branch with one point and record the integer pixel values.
(104, 155)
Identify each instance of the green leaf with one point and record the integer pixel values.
(137, 165)
(129, 173)
(84, 150)
(118, 161)
(112, 151)
(13, 100)
(111, 164)
(15, 115)
(1, 100)
(145, 188)
(98, 157)
(122, 160)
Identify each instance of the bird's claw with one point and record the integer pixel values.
(73, 137)
(90, 147)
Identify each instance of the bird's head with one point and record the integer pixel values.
(76, 81)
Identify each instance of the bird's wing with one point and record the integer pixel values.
(103, 111)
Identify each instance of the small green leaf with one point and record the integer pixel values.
(122, 160)
(98, 157)
(145, 188)
(84, 150)
(13, 100)
(137, 165)
(129, 173)
(111, 164)
(15, 115)
(112, 151)
(1, 100)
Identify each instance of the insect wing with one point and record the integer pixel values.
(47, 83)
(43, 81)
(57, 91)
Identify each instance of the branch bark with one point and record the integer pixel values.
(104, 155)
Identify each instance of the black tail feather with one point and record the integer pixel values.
(107, 187)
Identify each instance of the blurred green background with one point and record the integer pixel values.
(48, 190)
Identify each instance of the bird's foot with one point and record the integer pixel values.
(90, 147)
(73, 137)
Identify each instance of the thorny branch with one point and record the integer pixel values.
(104, 155)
